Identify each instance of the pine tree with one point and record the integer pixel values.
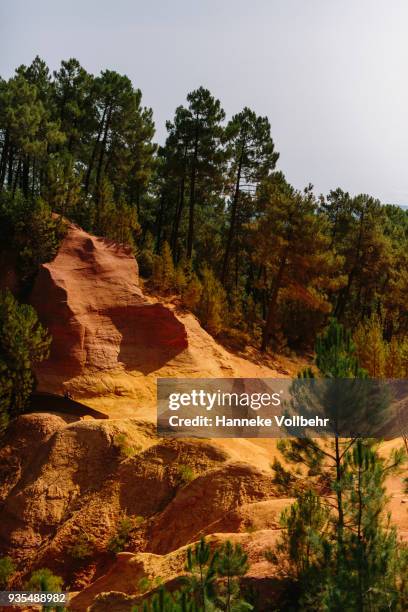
(211, 583)
(304, 524)
(358, 554)
(212, 308)
(164, 274)
(371, 348)
(336, 360)
(290, 241)
(193, 162)
(358, 236)
(74, 102)
(145, 256)
(365, 569)
(191, 295)
(205, 164)
(252, 157)
(44, 580)
(23, 342)
(201, 568)
(371, 557)
(29, 228)
(232, 563)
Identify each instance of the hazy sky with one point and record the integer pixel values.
(332, 75)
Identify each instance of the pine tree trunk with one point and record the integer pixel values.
(3, 163)
(177, 219)
(190, 236)
(10, 168)
(26, 175)
(33, 179)
(159, 223)
(16, 177)
(270, 319)
(344, 295)
(102, 155)
(231, 231)
(93, 155)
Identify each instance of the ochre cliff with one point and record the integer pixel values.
(90, 300)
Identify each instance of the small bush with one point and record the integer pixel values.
(44, 580)
(186, 474)
(7, 569)
(120, 540)
(82, 548)
(125, 449)
(144, 584)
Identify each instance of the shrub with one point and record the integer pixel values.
(82, 548)
(124, 448)
(120, 540)
(7, 569)
(44, 580)
(186, 474)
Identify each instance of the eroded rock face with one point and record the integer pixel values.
(74, 480)
(90, 300)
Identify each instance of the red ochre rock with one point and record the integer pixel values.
(90, 300)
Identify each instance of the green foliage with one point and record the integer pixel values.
(193, 157)
(7, 569)
(252, 156)
(232, 563)
(211, 583)
(164, 274)
(381, 358)
(361, 566)
(116, 221)
(304, 524)
(201, 574)
(145, 256)
(191, 294)
(120, 540)
(336, 353)
(298, 259)
(44, 580)
(82, 548)
(186, 474)
(23, 342)
(163, 601)
(212, 307)
(29, 229)
(125, 449)
(338, 548)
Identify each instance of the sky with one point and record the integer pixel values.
(331, 75)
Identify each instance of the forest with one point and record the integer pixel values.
(208, 214)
